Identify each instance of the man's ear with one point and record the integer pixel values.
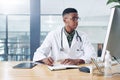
(65, 20)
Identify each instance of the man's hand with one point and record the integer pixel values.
(73, 61)
(49, 61)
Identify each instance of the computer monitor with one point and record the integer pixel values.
(112, 39)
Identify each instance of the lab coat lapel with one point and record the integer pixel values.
(65, 42)
(74, 40)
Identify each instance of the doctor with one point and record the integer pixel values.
(66, 44)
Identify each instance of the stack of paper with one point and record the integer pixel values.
(61, 67)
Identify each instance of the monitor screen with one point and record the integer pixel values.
(112, 39)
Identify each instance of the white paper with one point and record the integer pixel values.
(61, 67)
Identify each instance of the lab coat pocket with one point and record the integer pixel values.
(77, 50)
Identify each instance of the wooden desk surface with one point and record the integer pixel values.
(41, 72)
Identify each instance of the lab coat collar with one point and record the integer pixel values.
(74, 40)
(65, 41)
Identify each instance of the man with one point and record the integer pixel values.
(66, 44)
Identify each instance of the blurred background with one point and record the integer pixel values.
(21, 32)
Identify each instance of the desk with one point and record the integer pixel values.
(41, 72)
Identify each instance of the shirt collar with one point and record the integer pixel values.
(69, 34)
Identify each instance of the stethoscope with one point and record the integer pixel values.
(62, 48)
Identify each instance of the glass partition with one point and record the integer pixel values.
(49, 23)
(2, 36)
(14, 30)
(19, 37)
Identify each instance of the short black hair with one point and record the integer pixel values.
(69, 10)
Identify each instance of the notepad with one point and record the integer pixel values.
(62, 67)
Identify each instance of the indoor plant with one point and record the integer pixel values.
(114, 1)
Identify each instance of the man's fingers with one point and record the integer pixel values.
(69, 63)
(65, 61)
(50, 60)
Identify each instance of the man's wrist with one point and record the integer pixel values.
(80, 61)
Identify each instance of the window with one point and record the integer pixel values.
(14, 30)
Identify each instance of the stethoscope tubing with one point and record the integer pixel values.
(62, 49)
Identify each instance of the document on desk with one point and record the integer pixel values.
(62, 67)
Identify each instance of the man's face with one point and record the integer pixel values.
(71, 20)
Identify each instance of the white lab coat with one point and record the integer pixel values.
(78, 50)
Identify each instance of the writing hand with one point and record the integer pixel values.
(49, 61)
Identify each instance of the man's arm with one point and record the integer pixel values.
(43, 51)
(88, 49)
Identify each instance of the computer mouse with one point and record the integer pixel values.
(84, 69)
